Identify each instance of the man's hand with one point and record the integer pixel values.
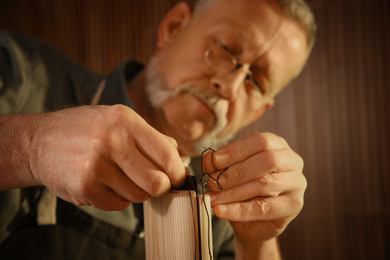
(104, 156)
(263, 187)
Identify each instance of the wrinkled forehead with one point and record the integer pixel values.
(257, 20)
(241, 10)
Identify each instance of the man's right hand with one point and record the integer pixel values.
(104, 156)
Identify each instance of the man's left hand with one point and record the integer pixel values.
(263, 186)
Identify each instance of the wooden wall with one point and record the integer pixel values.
(335, 115)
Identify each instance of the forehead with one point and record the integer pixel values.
(262, 34)
(248, 14)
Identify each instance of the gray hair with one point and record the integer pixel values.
(300, 12)
(297, 10)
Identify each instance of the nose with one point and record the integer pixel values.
(228, 85)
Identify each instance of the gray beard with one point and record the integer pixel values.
(158, 93)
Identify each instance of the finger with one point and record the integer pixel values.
(269, 185)
(161, 150)
(242, 149)
(100, 197)
(145, 174)
(260, 164)
(260, 209)
(123, 186)
(207, 162)
(171, 140)
(130, 175)
(109, 201)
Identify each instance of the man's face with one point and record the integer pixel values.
(201, 107)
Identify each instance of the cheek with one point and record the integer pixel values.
(238, 117)
(179, 67)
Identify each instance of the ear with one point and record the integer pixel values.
(270, 103)
(173, 22)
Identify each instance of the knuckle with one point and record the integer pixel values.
(158, 185)
(262, 139)
(265, 180)
(298, 203)
(262, 206)
(118, 112)
(304, 182)
(267, 140)
(112, 129)
(238, 210)
(113, 116)
(171, 164)
(299, 161)
(168, 158)
(240, 174)
(172, 141)
(270, 160)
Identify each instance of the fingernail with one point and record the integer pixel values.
(164, 190)
(222, 159)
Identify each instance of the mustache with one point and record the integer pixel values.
(208, 97)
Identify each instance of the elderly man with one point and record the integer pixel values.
(216, 69)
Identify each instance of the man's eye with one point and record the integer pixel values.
(226, 48)
(231, 49)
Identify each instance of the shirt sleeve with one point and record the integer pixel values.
(13, 89)
(37, 77)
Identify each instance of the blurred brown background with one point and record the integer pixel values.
(335, 115)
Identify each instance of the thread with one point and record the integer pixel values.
(190, 184)
(203, 173)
